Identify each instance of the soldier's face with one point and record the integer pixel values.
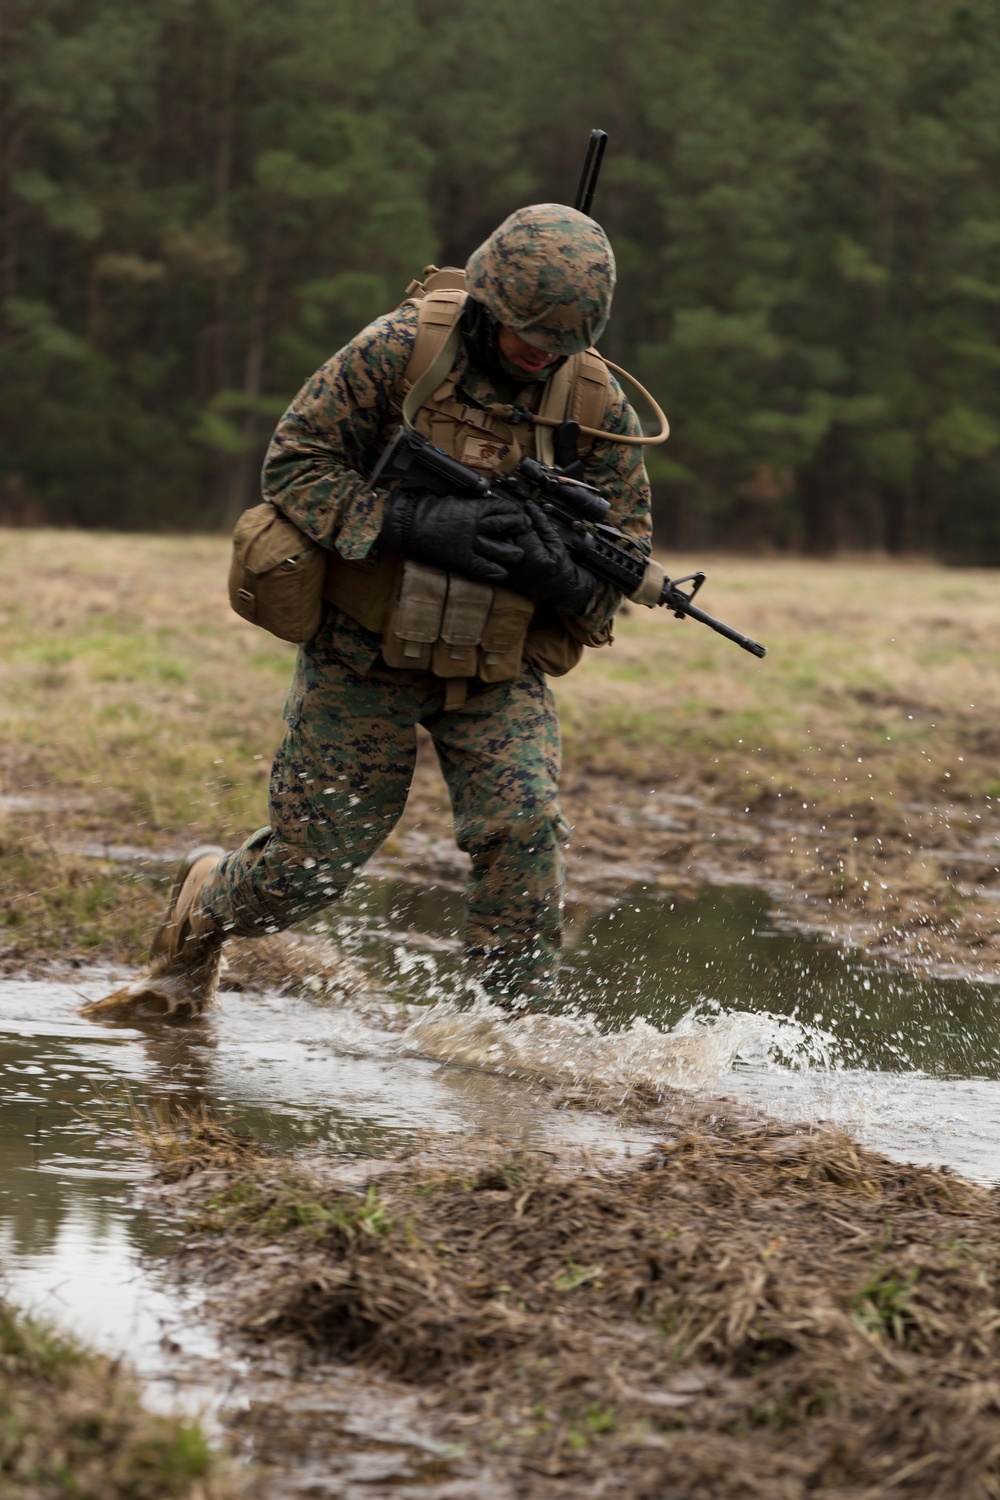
(517, 351)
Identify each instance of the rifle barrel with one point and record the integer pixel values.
(747, 642)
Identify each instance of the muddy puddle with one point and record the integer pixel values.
(708, 994)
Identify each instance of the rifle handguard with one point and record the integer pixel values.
(650, 590)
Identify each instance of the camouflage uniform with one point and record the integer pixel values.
(341, 775)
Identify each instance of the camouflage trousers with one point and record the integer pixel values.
(339, 785)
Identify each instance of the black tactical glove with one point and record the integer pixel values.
(547, 571)
(480, 537)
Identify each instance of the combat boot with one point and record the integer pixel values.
(188, 945)
(186, 955)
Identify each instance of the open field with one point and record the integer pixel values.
(770, 1307)
(855, 771)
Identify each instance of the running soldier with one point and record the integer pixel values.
(478, 354)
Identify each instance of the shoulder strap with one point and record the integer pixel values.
(435, 279)
(579, 389)
(588, 403)
(591, 390)
(555, 404)
(435, 346)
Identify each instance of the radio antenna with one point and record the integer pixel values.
(591, 170)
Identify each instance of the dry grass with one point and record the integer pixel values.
(757, 1311)
(896, 662)
(130, 689)
(125, 672)
(55, 905)
(856, 770)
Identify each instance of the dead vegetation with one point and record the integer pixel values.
(753, 1311)
(56, 906)
(291, 963)
(853, 771)
(72, 1427)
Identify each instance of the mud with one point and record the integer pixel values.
(84, 1246)
(759, 1310)
(501, 1346)
(755, 1310)
(917, 885)
(914, 884)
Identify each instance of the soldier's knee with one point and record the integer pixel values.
(530, 831)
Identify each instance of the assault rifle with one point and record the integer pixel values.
(577, 510)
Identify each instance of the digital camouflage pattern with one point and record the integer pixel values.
(339, 785)
(548, 273)
(341, 775)
(338, 424)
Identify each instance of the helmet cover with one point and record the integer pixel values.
(548, 273)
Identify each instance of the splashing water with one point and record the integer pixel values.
(710, 996)
(575, 1051)
(668, 963)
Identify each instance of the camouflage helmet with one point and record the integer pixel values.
(548, 273)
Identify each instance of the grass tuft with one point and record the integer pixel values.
(72, 1427)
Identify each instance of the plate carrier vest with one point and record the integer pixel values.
(431, 620)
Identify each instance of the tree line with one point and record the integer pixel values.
(201, 199)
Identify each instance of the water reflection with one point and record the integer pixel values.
(708, 992)
(291, 1074)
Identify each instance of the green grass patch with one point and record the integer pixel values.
(883, 1304)
(55, 903)
(72, 1425)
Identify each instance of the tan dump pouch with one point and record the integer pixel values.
(276, 575)
(553, 650)
(364, 590)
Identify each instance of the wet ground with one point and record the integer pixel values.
(709, 994)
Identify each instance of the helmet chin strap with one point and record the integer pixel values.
(526, 377)
(479, 332)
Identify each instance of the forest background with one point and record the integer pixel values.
(201, 199)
